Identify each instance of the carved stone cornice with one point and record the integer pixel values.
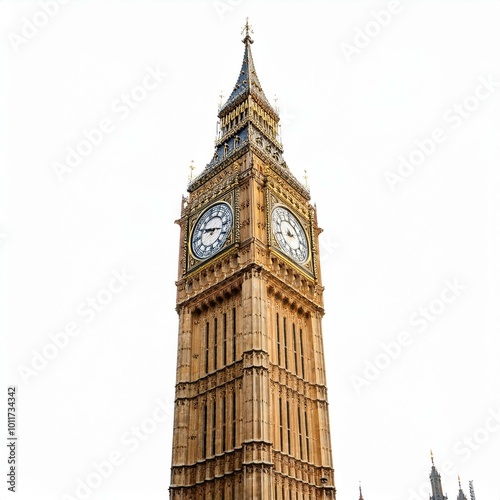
(301, 471)
(285, 281)
(222, 466)
(223, 378)
(196, 289)
(255, 359)
(288, 286)
(284, 381)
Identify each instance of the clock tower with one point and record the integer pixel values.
(251, 413)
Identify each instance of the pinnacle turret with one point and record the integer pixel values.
(437, 488)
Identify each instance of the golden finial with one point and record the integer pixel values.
(432, 457)
(276, 108)
(247, 30)
(191, 167)
(459, 483)
(221, 97)
(306, 179)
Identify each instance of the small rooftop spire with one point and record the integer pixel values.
(432, 457)
(360, 492)
(306, 184)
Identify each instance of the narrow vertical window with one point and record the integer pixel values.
(294, 347)
(214, 426)
(302, 353)
(234, 333)
(207, 345)
(301, 451)
(278, 338)
(223, 424)
(224, 333)
(288, 430)
(204, 437)
(215, 343)
(281, 423)
(285, 343)
(234, 421)
(306, 428)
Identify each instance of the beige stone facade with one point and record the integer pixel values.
(251, 413)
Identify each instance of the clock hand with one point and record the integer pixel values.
(212, 229)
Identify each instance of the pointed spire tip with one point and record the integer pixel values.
(247, 30)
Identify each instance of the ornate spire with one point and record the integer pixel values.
(437, 489)
(247, 122)
(248, 81)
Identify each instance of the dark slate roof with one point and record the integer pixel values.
(248, 82)
(232, 146)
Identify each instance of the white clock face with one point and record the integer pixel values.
(211, 231)
(290, 234)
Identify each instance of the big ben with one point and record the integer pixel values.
(251, 412)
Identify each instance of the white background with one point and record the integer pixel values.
(385, 254)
